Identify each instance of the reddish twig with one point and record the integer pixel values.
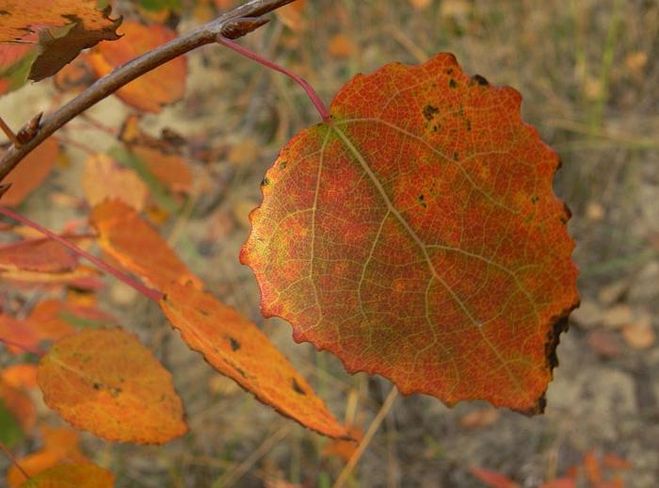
(308, 89)
(39, 240)
(228, 24)
(13, 460)
(99, 263)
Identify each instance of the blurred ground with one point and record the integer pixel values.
(589, 74)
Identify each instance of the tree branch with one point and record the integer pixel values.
(229, 25)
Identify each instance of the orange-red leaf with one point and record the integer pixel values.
(493, 479)
(15, 336)
(64, 27)
(104, 178)
(85, 475)
(417, 236)
(42, 255)
(163, 85)
(137, 246)
(237, 348)
(17, 401)
(161, 156)
(30, 173)
(106, 382)
(80, 277)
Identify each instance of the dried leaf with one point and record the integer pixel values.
(638, 333)
(59, 445)
(162, 86)
(493, 479)
(477, 419)
(161, 156)
(604, 343)
(32, 171)
(15, 337)
(341, 46)
(64, 29)
(105, 179)
(72, 476)
(18, 402)
(417, 236)
(137, 246)
(15, 62)
(83, 277)
(237, 348)
(106, 382)
(42, 255)
(292, 15)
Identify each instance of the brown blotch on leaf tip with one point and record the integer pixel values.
(297, 388)
(265, 181)
(480, 80)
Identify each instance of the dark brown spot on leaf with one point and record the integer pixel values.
(429, 112)
(480, 80)
(235, 345)
(452, 83)
(297, 388)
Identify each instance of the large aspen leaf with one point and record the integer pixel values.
(417, 236)
(105, 381)
(238, 349)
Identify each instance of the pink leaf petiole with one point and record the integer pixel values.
(308, 89)
(99, 263)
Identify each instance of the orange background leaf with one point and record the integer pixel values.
(59, 445)
(105, 381)
(36, 255)
(163, 85)
(137, 246)
(104, 178)
(72, 475)
(30, 173)
(238, 349)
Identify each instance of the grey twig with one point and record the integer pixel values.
(233, 24)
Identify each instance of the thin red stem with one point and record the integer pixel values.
(99, 263)
(308, 89)
(14, 461)
(39, 240)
